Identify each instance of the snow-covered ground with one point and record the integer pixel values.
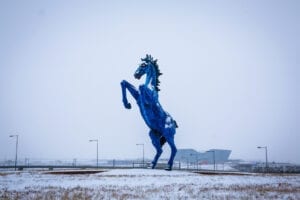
(146, 184)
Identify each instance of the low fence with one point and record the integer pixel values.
(271, 168)
(51, 167)
(127, 164)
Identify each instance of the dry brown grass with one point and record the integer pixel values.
(72, 172)
(182, 191)
(218, 190)
(8, 173)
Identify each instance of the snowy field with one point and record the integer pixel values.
(146, 184)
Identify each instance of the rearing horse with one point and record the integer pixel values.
(161, 124)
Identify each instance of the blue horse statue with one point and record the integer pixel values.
(162, 125)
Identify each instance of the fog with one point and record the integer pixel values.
(230, 76)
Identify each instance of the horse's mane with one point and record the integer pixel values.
(149, 59)
(158, 73)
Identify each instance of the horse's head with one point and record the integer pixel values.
(150, 68)
(145, 67)
(141, 70)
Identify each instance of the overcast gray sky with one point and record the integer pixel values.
(230, 76)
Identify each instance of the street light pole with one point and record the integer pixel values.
(142, 144)
(97, 149)
(17, 141)
(196, 160)
(214, 158)
(266, 152)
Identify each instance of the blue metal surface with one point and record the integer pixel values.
(162, 125)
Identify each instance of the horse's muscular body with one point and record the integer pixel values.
(161, 124)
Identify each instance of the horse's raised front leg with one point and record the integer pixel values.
(126, 85)
(157, 142)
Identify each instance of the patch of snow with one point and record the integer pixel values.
(148, 183)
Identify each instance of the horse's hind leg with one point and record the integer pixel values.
(157, 143)
(170, 141)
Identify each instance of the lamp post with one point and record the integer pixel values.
(196, 155)
(97, 149)
(27, 161)
(142, 144)
(16, 158)
(74, 162)
(214, 158)
(266, 151)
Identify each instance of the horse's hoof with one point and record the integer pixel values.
(128, 106)
(153, 165)
(169, 168)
